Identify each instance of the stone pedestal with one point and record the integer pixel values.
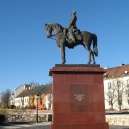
(78, 97)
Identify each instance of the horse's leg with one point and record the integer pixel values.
(89, 53)
(62, 50)
(92, 56)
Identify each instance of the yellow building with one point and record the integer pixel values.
(27, 98)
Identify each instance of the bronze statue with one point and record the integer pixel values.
(72, 26)
(71, 37)
(72, 33)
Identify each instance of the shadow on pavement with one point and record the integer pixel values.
(16, 123)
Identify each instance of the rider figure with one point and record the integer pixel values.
(72, 26)
(73, 20)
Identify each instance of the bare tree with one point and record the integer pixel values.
(127, 95)
(5, 98)
(116, 93)
(111, 97)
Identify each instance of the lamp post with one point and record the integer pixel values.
(37, 96)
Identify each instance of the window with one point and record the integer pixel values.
(120, 101)
(118, 84)
(49, 97)
(110, 102)
(110, 94)
(109, 85)
(128, 83)
(110, 97)
(120, 97)
(49, 106)
(127, 92)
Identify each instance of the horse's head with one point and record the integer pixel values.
(48, 30)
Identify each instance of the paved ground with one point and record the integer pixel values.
(119, 127)
(42, 125)
(26, 125)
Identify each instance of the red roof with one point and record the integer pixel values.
(117, 71)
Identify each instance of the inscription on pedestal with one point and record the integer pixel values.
(79, 98)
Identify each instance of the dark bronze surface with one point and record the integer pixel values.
(71, 37)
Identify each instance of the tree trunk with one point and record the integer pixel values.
(111, 105)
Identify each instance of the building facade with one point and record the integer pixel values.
(17, 91)
(27, 97)
(49, 101)
(116, 88)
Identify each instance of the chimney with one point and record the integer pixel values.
(122, 65)
(24, 86)
(105, 67)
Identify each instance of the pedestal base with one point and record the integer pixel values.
(81, 126)
(78, 97)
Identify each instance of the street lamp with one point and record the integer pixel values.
(37, 96)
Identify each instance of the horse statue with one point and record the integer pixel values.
(63, 42)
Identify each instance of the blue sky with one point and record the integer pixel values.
(27, 55)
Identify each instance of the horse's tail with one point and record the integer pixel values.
(95, 44)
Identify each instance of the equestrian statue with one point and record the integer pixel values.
(71, 37)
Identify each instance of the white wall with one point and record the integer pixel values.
(49, 101)
(22, 102)
(18, 102)
(26, 101)
(17, 91)
(113, 81)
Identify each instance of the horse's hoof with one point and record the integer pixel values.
(63, 63)
(94, 63)
(88, 63)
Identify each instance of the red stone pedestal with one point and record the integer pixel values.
(78, 97)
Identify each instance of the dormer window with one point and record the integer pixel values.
(105, 75)
(126, 72)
